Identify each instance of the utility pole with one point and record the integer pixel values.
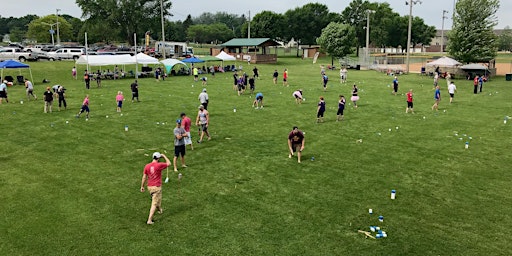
(249, 27)
(367, 52)
(410, 3)
(442, 30)
(58, 33)
(163, 31)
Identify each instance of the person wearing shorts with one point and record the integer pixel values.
(258, 101)
(119, 100)
(30, 89)
(179, 145)
(451, 90)
(409, 102)
(203, 120)
(395, 85)
(274, 76)
(285, 77)
(84, 108)
(153, 175)
(355, 96)
(325, 79)
(341, 108)
(320, 110)
(298, 96)
(252, 85)
(3, 92)
(437, 98)
(185, 124)
(48, 100)
(296, 142)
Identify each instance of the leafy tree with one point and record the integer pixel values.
(337, 39)
(505, 40)
(472, 38)
(124, 16)
(421, 33)
(175, 31)
(76, 26)
(305, 23)
(19, 25)
(267, 24)
(39, 29)
(355, 15)
(202, 33)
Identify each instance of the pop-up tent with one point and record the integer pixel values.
(224, 56)
(192, 60)
(142, 58)
(444, 62)
(14, 64)
(104, 60)
(170, 63)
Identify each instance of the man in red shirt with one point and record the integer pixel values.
(185, 124)
(409, 102)
(153, 175)
(475, 85)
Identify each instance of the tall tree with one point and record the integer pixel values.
(126, 16)
(505, 40)
(337, 39)
(355, 15)
(267, 24)
(305, 23)
(472, 38)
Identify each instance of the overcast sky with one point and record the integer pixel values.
(430, 10)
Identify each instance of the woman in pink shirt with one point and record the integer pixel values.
(119, 100)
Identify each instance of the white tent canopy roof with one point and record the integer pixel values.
(474, 66)
(146, 59)
(103, 60)
(224, 56)
(444, 62)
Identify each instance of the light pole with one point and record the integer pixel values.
(163, 31)
(367, 52)
(51, 30)
(410, 3)
(442, 30)
(58, 34)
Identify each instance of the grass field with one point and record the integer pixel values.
(73, 188)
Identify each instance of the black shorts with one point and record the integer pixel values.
(340, 111)
(452, 94)
(409, 104)
(241, 87)
(259, 98)
(320, 113)
(204, 127)
(284, 79)
(84, 108)
(3, 94)
(179, 150)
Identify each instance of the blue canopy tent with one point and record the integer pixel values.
(192, 60)
(14, 64)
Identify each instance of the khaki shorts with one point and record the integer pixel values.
(156, 195)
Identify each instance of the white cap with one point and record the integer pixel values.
(157, 155)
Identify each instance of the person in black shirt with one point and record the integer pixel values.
(135, 91)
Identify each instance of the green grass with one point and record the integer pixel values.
(73, 189)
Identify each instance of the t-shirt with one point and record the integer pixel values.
(203, 97)
(452, 88)
(296, 138)
(259, 95)
(29, 85)
(475, 81)
(86, 102)
(186, 123)
(135, 87)
(60, 92)
(297, 94)
(3, 87)
(409, 97)
(437, 94)
(395, 82)
(48, 96)
(154, 173)
(321, 104)
(195, 71)
(178, 131)
(251, 81)
(341, 104)
(119, 97)
(325, 78)
(275, 74)
(285, 75)
(354, 92)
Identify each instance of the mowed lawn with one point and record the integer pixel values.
(71, 187)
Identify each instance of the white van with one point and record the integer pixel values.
(66, 53)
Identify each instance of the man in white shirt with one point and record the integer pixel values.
(3, 92)
(203, 99)
(451, 90)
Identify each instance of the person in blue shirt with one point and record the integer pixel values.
(395, 85)
(481, 82)
(437, 98)
(325, 79)
(258, 101)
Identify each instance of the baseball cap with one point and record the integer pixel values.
(5, 81)
(157, 155)
(178, 121)
(200, 107)
(204, 90)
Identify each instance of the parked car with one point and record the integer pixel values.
(66, 53)
(9, 53)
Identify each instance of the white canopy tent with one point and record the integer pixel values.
(444, 62)
(224, 56)
(146, 59)
(104, 60)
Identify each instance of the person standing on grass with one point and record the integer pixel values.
(320, 110)
(203, 120)
(285, 77)
(85, 107)
(48, 100)
(3, 92)
(437, 98)
(481, 82)
(62, 97)
(179, 145)
(186, 123)
(98, 78)
(119, 101)
(395, 85)
(475, 84)
(409, 102)
(87, 80)
(258, 101)
(298, 96)
(252, 85)
(274, 76)
(203, 98)
(135, 90)
(30, 89)
(73, 72)
(436, 79)
(341, 108)
(255, 72)
(325, 79)
(153, 175)
(235, 81)
(343, 75)
(296, 142)
(355, 96)
(451, 90)
(195, 71)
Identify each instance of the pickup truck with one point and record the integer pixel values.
(8, 53)
(66, 53)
